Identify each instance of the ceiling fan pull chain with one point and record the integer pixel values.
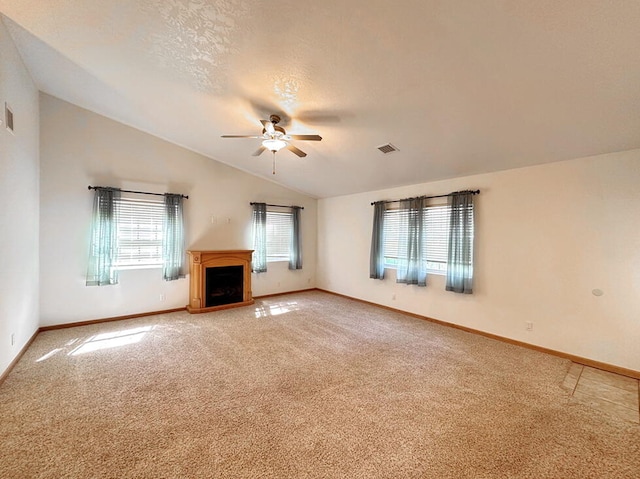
(274, 163)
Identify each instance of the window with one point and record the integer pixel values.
(276, 237)
(436, 237)
(279, 232)
(131, 233)
(140, 224)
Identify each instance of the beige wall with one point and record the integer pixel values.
(19, 211)
(546, 237)
(80, 148)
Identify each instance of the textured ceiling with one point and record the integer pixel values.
(459, 86)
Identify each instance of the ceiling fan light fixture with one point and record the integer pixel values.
(274, 144)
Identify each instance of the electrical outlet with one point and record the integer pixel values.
(13, 339)
(393, 297)
(529, 325)
(163, 296)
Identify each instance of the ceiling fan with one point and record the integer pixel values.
(274, 138)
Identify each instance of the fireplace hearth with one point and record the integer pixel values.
(219, 280)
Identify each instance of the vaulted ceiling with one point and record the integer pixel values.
(458, 86)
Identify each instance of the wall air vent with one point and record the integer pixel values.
(387, 148)
(8, 117)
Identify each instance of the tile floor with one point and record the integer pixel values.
(603, 390)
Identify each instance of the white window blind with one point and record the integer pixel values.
(140, 224)
(435, 242)
(436, 246)
(279, 231)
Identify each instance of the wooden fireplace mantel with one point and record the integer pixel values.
(199, 261)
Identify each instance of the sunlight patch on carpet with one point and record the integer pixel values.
(112, 340)
(277, 309)
(48, 355)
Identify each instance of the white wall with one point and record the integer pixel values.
(546, 237)
(80, 148)
(19, 211)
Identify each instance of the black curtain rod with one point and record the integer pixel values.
(138, 192)
(279, 206)
(475, 192)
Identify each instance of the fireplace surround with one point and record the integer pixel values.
(219, 280)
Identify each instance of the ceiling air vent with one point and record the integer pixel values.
(8, 117)
(387, 148)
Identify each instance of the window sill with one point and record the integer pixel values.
(138, 266)
(429, 271)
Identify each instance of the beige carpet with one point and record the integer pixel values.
(304, 385)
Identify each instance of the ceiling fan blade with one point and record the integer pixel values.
(259, 151)
(268, 126)
(295, 150)
(306, 137)
(240, 136)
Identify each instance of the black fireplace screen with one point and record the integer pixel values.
(224, 285)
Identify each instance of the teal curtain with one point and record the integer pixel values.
(295, 250)
(103, 249)
(376, 256)
(412, 263)
(259, 262)
(461, 232)
(173, 251)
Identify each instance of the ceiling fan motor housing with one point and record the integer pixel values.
(276, 128)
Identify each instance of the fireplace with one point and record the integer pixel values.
(219, 280)
(223, 285)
